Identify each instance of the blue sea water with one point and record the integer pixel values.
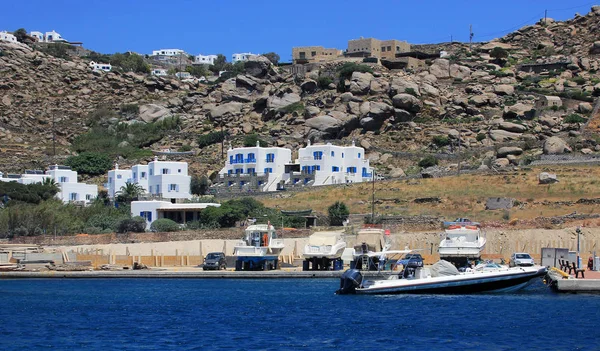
(287, 314)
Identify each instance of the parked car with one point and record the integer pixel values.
(411, 260)
(521, 259)
(215, 260)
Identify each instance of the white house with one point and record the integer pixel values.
(183, 75)
(70, 189)
(266, 163)
(168, 52)
(164, 179)
(330, 164)
(159, 72)
(48, 37)
(6, 36)
(241, 57)
(205, 59)
(117, 179)
(180, 213)
(97, 66)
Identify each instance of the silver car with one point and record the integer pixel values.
(521, 259)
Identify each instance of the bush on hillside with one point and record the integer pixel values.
(211, 138)
(250, 140)
(428, 161)
(441, 140)
(345, 72)
(130, 62)
(165, 225)
(338, 213)
(90, 163)
(574, 118)
(132, 225)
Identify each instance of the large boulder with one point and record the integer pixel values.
(555, 145)
(258, 66)
(152, 112)
(379, 86)
(360, 83)
(407, 102)
(509, 150)
(309, 86)
(325, 124)
(441, 68)
(547, 178)
(401, 85)
(512, 127)
(519, 110)
(502, 135)
(230, 108)
(279, 103)
(584, 107)
(504, 89)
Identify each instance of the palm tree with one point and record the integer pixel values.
(129, 192)
(51, 187)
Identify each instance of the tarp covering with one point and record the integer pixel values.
(443, 268)
(324, 238)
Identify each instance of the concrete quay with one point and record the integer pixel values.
(589, 284)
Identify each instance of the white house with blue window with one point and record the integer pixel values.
(260, 167)
(70, 190)
(330, 164)
(164, 179)
(181, 213)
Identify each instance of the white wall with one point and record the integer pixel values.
(117, 179)
(77, 192)
(352, 166)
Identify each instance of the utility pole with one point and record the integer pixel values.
(53, 134)
(222, 140)
(545, 17)
(470, 36)
(373, 199)
(459, 128)
(451, 40)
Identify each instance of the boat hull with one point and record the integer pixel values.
(317, 252)
(476, 283)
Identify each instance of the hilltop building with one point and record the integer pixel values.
(70, 189)
(205, 59)
(168, 52)
(97, 67)
(6, 36)
(159, 72)
(48, 37)
(160, 179)
(241, 57)
(381, 49)
(309, 54)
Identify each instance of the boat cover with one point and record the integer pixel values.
(443, 268)
(324, 238)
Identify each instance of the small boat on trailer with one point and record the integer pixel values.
(442, 278)
(259, 249)
(324, 251)
(462, 243)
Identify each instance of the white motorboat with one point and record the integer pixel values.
(328, 245)
(442, 278)
(260, 240)
(462, 242)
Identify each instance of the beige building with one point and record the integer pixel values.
(306, 54)
(371, 47)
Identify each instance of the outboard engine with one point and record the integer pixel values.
(349, 281)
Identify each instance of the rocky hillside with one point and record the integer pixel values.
(478, 107)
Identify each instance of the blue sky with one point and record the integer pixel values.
(259, 26)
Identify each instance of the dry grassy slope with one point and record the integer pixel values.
(462, 196)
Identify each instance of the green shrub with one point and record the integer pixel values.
(199, 185)
(345, 72)
(164, 225)
(211, 138)
(411, 91)
(134, 225)
(579, 80)
(338, 213)
(130, 109)
(324, 81)
(574, 118)
(499, 53)
(480, 136)
(129, 62)
(59, 50)
(250, 140)
(441, 140)
(428, 161)
(105, 221)
(185, 148)
(295, 107)
(90, 163)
